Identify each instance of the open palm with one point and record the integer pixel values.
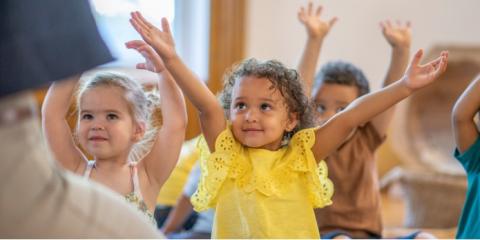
(316, 27)
(398, 34)
(418, 76)
(161, 40)
(153, 62)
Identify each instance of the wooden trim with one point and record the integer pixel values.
(227, 39)
(227, 44)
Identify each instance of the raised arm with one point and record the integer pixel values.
(317, 29)
(211, 115)
(399, 37)
(465, 108)
(333, 133)
(163, 156)
(55, 126)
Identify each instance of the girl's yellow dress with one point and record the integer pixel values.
(259, 193)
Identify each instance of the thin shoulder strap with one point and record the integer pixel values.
(136, 184)
(88, 169)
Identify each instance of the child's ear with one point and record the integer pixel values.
(292, 122)
(139, 131)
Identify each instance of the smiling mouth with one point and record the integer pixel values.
(97, 139)
(252, 130)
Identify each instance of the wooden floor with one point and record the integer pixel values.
(393, 215)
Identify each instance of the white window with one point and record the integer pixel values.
(189, 20)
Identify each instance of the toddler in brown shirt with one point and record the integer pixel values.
(355, 212)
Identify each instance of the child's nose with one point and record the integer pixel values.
(251, 116)
(97, 126)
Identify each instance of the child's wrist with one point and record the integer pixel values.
(170, 57)
(317, 38)
(401, 48)
(315, 41)
(407, 90)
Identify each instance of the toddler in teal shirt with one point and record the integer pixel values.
(468, 153)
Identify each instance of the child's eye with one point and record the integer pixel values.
(320, 108)
(265, 107)
(87, 116)
(240, 106)
(112, 116)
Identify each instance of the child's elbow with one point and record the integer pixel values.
(459, 116)
(48, 114)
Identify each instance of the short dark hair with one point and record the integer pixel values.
(343, 73)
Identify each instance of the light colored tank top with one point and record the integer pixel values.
(135, 197)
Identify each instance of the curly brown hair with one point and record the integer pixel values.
(284, 79)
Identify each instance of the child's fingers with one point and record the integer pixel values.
(398, 22)
(439, 61)
(137, 27)
(144, 21)
(333, 21)
(141, 66)
(409, 24)
(445, 60)
(388, 23)
(310, 8)
(301, 15)
(440, 69)
(302, 10)
(137, 20)
(147, 50)
(382, 25)
(318, 12)
(140, 21)
(166, 25)
(417, 57)
(438, 66)
(134, 43)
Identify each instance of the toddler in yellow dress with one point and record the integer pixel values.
(261, 162)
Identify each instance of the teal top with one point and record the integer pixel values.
(469, 224)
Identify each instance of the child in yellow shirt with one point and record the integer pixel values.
(261, 162)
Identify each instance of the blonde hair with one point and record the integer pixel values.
(143, 106)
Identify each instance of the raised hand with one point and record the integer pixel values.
(397, 35)
(418, 76)
(316, 27)
(160, 40)
(153, 62)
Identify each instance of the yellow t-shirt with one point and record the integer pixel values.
(259, 193)
(173, 187)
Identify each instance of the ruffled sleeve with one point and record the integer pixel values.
(319, 186)
(215, 168)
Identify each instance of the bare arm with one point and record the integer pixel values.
(334, 132)
(178, 215)
(55, 126)
(212, 117)
(465, 108)
(399, 38)
(163, 156)
(317, 29)
(165, 151)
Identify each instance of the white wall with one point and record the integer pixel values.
(273, 31)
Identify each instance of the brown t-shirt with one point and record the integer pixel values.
(356, 199)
